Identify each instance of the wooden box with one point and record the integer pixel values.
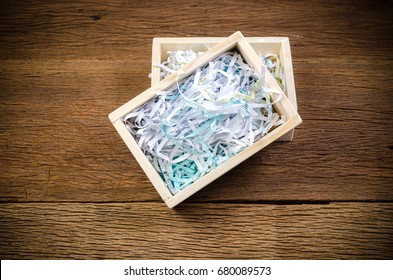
(262, 45)
(283, 107)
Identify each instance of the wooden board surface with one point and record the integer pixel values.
(152, 231)
(65, 66)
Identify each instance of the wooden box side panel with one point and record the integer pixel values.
(285, 54)
(282, 48)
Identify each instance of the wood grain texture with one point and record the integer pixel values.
(214, 231)
(64, 65)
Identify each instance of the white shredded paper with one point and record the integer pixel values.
(205, 119)
(179, 58)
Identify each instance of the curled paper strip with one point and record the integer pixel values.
(202, 121)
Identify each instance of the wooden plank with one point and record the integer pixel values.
(111, 30)
(57, 145)
(197, 231)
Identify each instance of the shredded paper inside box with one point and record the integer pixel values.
(177, 59)
(203, 120)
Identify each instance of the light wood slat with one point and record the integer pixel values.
(150, 231)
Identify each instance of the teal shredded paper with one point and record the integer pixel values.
(203, 120)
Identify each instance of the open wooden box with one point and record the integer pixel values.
(283, 107)
(261, 45)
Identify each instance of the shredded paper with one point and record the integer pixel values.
(203, 120)
(179, 58)
(273, 65)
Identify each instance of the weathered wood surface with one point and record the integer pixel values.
(65, 66)
(149, 230)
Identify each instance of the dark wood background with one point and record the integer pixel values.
(71, 189)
